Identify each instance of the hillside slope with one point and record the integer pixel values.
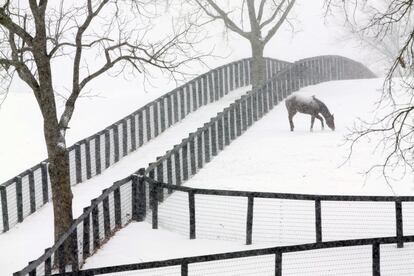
(270, 158)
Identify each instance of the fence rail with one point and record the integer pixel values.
(263, 217)
(24, 194)
(135, 198)
(275, 263)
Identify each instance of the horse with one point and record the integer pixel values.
(308, 105)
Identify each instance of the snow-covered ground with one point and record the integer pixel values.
(21, 131)
(144, 245)
(270, 158)
(27, 240)
(21, 139)
(22, 145)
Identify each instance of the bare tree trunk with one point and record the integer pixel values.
(62, 194)
(258, 65)
(54, 135)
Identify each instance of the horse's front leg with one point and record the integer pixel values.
(320, 119)
(312, 122)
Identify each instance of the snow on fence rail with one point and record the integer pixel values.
(24, 194)
(133, 198)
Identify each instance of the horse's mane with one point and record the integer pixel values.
(324, 109)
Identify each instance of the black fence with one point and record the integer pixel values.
(280, 219)
(24, 194)
(137, 198)
(345, 257)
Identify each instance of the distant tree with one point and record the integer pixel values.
(36, 35)
(265, 18)
(380, 23)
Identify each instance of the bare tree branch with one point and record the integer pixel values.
(276, 27)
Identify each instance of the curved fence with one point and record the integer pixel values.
(137, 196)
(279, 219)
(24, 194)
(346, 257)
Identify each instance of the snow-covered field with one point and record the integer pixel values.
(266, 158)
(27, 240)
(22, 130)
(270, 158)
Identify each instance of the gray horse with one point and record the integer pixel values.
(309, 105)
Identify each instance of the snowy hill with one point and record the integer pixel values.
(270, 158)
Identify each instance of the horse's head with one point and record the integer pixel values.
(330, 122)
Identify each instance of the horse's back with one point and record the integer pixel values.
(301, 103)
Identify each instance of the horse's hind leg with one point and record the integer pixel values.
(292, 126)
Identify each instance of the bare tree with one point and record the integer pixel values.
(377, 21)
(265, 18)
(37, 35)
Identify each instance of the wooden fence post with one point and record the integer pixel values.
(206, 145)
(107, 149)
(106, 216)
(214, 138)
(191, 204)
(216, 85)
(162, 114)
(124, 138)
(244, 112)
(4, 209)
(169, 172)
(148, 122)
(185, 159)
(118, 208)
(194, 95)
(154, 204)
(220, 136)
(232, 122)
(19, 198)
(318, 220)
(140, 200)
(399, 223)
(86, 235)
(249, 220)
(278, 263)
(160, 178)
(200, 160)
(200, 92)
(133, 133)
(184, 269)
(192, 154)
(88, 159)
(140, 128)
(376, 266)
(226, 127)
(238, 118)
(32, 192)
(45, 185)
(95, 224)
(177, 167)
(188, 98)
(78, 163)
(116, 143)
(98, 163)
